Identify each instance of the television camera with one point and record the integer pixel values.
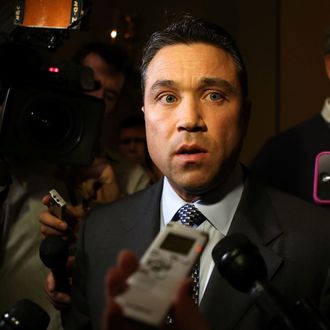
(46, 115)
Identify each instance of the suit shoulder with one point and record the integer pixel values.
(299, 212)
(137, 202)
(293, 214)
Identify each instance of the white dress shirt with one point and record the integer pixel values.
(325, 113)
(219, 209)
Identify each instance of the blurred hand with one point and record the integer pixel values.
(60, 300)
(50, 225)
(184, 311)
(97, 183)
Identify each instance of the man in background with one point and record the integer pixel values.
(133, 145)
(132, 139)
(110, 66)
(287, 160)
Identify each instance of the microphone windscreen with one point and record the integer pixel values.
(54, 252)
(239, 261)
(25, 314)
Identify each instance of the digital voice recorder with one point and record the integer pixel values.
(169, 258)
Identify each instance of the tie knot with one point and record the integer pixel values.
(189, 215)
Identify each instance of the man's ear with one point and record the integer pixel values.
(327, 64)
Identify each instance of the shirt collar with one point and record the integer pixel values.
(219, 208)
(325, 113)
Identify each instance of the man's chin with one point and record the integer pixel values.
(194, 187)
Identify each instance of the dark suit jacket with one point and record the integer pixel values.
(287, 160)
(293, 237)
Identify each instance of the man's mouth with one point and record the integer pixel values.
(191, 153)
(188, 150)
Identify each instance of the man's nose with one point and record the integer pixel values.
(191, 116)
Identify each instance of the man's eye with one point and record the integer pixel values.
(215, 96)
(168, 98)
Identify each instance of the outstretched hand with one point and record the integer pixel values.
(50, 225)
(184, 311)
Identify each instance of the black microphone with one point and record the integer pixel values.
(54, 253)
(24, 315)
(240, 262)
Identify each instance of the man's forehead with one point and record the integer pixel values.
(189, 52)
(205, 64)
(186, 48)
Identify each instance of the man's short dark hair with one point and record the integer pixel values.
(115, 56)
(189, 30)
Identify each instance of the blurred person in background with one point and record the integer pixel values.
(133, 145)
(110, 66)
(287, 160)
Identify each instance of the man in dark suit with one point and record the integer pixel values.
(196, 112)
(287, 160)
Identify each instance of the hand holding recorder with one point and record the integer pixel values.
(143, 294)
(184, 311)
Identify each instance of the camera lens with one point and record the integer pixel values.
(48, 121)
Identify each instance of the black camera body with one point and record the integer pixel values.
(45, 122)
(45, 117)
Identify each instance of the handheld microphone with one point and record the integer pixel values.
(24, 315)
(54, 253)
(240, 262)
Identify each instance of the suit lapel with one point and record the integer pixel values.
(223, 305)
(141, 222)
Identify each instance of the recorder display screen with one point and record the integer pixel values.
(177, 243)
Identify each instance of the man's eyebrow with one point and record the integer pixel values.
(218, 82)
(161, 84)
(204, 82)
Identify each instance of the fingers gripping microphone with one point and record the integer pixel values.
(240, 262)
(24, 315)
(54, 253)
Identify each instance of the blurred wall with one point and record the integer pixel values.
(303, 83)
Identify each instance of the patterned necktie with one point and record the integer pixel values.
(189, 215)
